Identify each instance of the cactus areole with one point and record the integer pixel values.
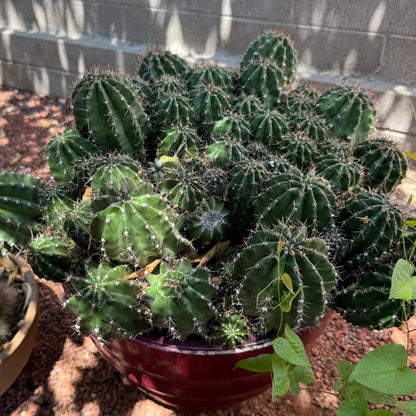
(210, 206)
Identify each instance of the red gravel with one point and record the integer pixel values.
(66, 376)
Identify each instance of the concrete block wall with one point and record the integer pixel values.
(46, 44)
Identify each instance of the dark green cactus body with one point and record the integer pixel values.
(304, 198)
(301, 100)
(298, 149)
(180, 141)
(215, 182)
(209, 223)
(344, 174)
(77, 223)
(138, 230)
(208, 74)
(385, 166)
(209, 102)
(269, 254)
(108, 111)
(269, 127)
(339, 246)
(232, 330)
(278, 47)
(247, 105)
(265, 79)
(158, 61)
(348, 111)
(143, 88)
(106, 302)
(171, 109)
(180, 299)
(372, 222)
(363, 299)
(233, 125)
(63, 150)
(57, 201)
(311, 125)
(247, 180)
(182, 188)
(115, 182)
(49, 257)
(168, 84)
(87, 166)
(225, 150)
(327, 147)
(20, 207)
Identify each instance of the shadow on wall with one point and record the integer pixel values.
(332, 37)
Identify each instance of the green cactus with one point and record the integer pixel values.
(109, 113)
(306, 198)
(298, 149)
(269, 127)
(247, 105)
(234, 125)
(344, 174)
(63, 150)
(180, 141)
(277, 47)
(171, 109)
(301, 100)
(182, 188)
(265, 79)
(180, 299)
(21, 207)
(385, 166)
(209, 102)
(363, 299)
(268, 296)
(139, 229)
(209, 74)
(106, 301)
(225, 150)
(168, 84)
(209, 223)
(202, 204)
(232, 330)
(348, 111)
(372, 222)
(49, 257)
(77, 223)
(158, 62)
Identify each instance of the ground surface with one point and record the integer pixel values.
(65, 376)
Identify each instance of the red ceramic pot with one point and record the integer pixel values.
(193, 376)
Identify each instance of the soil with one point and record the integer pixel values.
(66, 376)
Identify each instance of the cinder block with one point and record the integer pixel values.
(38, 80)
(399, 61)
(336, 52)
(396, 16)
(72, 18)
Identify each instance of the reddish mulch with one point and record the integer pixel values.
(66, 376)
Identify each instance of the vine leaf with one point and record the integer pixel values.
(403, 283)
(355, 405)
(384, 369)
(291, 348)
(261, 363)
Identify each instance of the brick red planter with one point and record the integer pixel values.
(190, 375)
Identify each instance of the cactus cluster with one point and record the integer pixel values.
(211, 203)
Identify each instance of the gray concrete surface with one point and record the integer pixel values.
(46, 44)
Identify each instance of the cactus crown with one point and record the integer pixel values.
(205, 203)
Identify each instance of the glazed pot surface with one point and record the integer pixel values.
(14, 358)
(193, 375)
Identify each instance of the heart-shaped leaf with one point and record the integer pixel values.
(403, 283)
